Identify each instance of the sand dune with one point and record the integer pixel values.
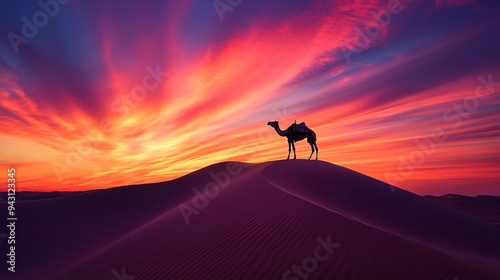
(275, 220)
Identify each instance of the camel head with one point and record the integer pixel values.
(273, 124)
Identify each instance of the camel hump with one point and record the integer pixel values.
(301, 127)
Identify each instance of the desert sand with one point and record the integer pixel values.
(292, 219)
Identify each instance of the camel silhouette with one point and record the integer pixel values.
(297, 132)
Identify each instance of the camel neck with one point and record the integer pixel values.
(279, 131)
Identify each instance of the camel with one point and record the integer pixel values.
(294, 136)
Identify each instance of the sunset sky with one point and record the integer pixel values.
(98, 94)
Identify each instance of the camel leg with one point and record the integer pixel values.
(316, 150)
(294, 155)
(312, 151)
(289, 149)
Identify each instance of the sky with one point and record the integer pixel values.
(98, 94)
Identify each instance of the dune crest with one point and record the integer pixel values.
(272, 220)
(371, 202)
